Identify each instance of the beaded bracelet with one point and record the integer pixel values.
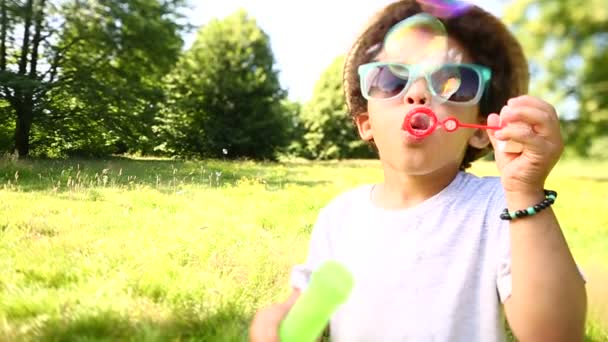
(550, 197)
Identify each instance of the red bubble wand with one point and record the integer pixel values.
(422, 122)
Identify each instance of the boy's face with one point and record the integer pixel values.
(404, 152)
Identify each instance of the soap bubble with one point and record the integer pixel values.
(421, 38)
(444, 8)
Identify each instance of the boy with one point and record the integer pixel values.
(431, 257)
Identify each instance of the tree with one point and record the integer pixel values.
(295, 128)
(568, 48)
(330, 132)
(21, 83)
(101, 80)
(224, 95)
(6, 126)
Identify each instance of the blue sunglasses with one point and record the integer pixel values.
(460, 84)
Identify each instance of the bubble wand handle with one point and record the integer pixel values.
(329, 287)
(451, 124)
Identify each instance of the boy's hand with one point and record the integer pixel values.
(538, 130)
(265, 325)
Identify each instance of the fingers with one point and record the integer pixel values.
(502, 146)
(516, 132)
(519, 132)
(542, 121)
(295, 294)
(533, 126)
(493, 120)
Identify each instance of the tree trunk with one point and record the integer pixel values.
(25, 46)
(37, 38)
(3, 30)
(23, 98)
(22, 131)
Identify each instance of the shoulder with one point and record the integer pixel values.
(488, 187)
(348, 200)
(485, 195)
(340, 209)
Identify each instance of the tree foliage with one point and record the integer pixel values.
(224, 96)
(567, 42)
(330, 132)
(86, 76)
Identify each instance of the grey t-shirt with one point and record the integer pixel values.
(434, 272)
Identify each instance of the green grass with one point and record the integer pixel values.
(160, 250)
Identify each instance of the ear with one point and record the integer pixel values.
(479, 139)
(364, 126)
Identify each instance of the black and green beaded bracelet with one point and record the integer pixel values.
(550, 197)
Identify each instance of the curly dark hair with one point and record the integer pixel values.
(486, 39)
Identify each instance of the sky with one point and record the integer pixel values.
(306, 36)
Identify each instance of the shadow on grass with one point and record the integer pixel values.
(226, 325)
(161, 174)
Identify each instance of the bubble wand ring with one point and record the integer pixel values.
(426, 115)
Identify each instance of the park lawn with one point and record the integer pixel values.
(156, 250)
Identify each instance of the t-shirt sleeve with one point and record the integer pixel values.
(503, 244)
(503, 275)
(318, 252)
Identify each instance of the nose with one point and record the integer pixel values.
(418, 93)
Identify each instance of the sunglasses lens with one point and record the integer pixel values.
(458, 84)
(386, 81)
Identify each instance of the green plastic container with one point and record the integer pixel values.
(329, 287)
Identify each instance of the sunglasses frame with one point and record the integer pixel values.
(421, 70)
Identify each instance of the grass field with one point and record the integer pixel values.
(161, 250)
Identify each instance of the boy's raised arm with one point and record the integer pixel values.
(548, 298)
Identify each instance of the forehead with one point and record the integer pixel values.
(420, 45)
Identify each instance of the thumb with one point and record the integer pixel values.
(493, 120)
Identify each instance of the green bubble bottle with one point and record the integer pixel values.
(329, 287)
